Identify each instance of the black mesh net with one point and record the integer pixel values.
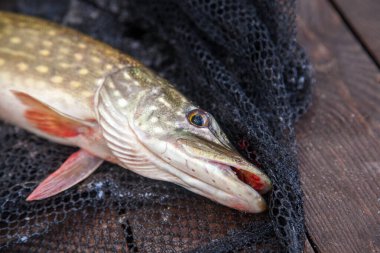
(238, 59)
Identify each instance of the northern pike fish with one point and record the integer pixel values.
(71, 89)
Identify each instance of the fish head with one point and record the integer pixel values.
(185, 144)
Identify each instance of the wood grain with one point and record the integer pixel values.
(339, 148)
(363, 17)
(308, 248)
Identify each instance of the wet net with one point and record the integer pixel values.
(238, 59)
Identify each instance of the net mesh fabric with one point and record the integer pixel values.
(237, 59)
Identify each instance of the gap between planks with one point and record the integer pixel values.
(359, 38)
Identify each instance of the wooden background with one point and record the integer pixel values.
(338, 139)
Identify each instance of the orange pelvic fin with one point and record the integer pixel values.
(75, 169)
(49, 120)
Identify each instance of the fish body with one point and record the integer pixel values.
(56, 66)
(71, 89)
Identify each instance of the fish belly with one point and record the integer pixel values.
(60, 67)
(12, 110)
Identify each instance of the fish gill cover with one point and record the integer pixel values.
(238, 59)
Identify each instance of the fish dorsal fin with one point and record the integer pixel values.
(115, 125)
(49, 120)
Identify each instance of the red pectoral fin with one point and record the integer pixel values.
(50, 120)
(76, 168)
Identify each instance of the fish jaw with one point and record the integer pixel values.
(243, 196)
(225, 188)
(210, 178)
(227, 158)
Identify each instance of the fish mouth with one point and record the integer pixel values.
(238, 187)
(254, 179)
(251, 179)
(231, 180)
(229, 162)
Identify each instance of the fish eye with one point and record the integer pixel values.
(198, 118)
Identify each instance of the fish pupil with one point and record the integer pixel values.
(197, 120)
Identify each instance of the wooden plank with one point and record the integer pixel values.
(363, 17)
(308, 248)
(339, 148)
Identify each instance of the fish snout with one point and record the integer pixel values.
(227, 171)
